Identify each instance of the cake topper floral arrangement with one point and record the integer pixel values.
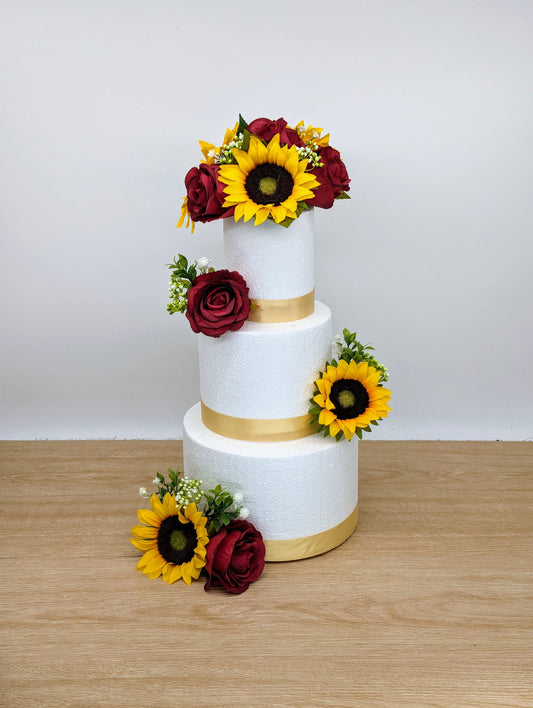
(189, 532)
(267, 170)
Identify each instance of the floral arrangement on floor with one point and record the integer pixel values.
(214, 301)
(349, 396)
(267, 170)
(188, 532)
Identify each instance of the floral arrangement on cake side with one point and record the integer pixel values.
(267, 170)
(214, 301)
(349, 396)
(188, 533)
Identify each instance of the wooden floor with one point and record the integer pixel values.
(430, 603)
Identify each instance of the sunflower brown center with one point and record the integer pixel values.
(349, 397)
(176, 541)
(269, 184)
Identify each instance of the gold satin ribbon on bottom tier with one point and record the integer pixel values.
(260, 430)
(288, 310)
(307, 546)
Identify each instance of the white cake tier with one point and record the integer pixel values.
(276, 262)
(301, 494)
(265, 371)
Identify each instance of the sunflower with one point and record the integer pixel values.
(311, 134)
(349, 398)
(267, 181)
(173, 540)
(211, 152)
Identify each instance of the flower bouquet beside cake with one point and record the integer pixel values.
(280, 401)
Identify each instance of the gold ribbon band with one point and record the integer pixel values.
(260, 430)
(298, 548)
(295, 308)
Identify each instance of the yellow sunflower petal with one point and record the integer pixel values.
(244, 160)
(239, 211)
(146, 516)
(326, 417)
(186, 572)
(279, 213)
(158, 507)
(144, 532)
(324, 386)
(320, 399)
(258, 151)
(250, 209)
(347, 432)
(261, 216)
(144, 544)
(334, 428)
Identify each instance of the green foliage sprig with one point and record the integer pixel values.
(218, 509)
(353, 350)
(181, 278)
(217, 504)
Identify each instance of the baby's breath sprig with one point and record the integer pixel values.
(352, 349)
(225, 157)
(181, 276)
(309, 153)
(184, 490)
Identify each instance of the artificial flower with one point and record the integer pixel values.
(311, 134)
(332, 176)
(266, 129)
(268, 180)
(211, 152)
(185, 215)
(235, 557)
(173, 540)
(218, 302)
(350, 398)
(205, 194)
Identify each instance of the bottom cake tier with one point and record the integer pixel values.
(302, 494)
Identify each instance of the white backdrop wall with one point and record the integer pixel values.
(102, 105)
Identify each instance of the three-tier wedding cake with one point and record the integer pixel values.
(277, 413)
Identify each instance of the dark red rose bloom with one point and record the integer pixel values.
(333, 178)
(205, 194)
(235, 557)
(218, 302)
(266, 129)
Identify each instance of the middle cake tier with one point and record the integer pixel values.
(264, 372)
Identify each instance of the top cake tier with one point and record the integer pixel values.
(277, 263)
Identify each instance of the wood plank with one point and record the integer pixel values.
(428, 604)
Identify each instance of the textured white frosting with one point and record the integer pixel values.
(276, 262)
(293, 489)
(265, 370)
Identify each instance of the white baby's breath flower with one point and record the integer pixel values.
(244, 513)
(238, 498)
(143, 492)
(203, 263)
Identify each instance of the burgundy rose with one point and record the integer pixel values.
(235, 557)
(205, 194)
(217, 302)
(333, 178)
(266, 129)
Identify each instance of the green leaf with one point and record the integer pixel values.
(246, 140)
(343, 195)
(243, 125)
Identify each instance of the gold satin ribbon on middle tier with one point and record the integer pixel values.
(295, 308)
(260, 430)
